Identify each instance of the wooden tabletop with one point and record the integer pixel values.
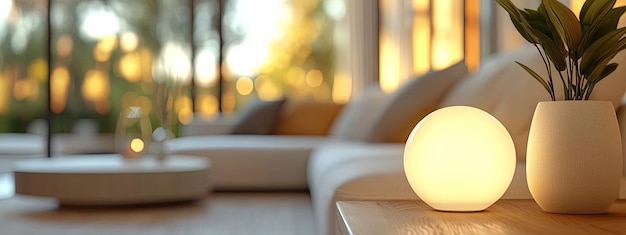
(504, 217)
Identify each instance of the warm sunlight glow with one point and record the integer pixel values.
(228, 102)
(129, 41)
(130, 67)
(38, 69)
(267, 89)
(342, 88)
(448, 33)
(244, 85)
(65, 45)
(472, 34)
(59, 85)
(102, 51)
(98, 22)
(185, 116)
(182, 102)
(5, 7)
(173, 64)
(136, 145)
(295, 76)
(4, 93)
(421, 37)
(108, 43)
(25, 89)
(576, 5)
(314, 78)
(246, 59)
(206, 64)
(207, 104)
(95, 86)
(389, 61)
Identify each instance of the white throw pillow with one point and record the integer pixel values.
(356, 117)
(411, 102)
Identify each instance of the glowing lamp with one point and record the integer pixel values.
(459, 158)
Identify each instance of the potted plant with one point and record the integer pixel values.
(574, 152)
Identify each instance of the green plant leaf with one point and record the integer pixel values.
(537, 77)
(593, 10)
(555, 51)
(606, 24)
(537, 21)
(605, 47)
(518, 19)
(597, 71)
(610, 68)
(564, 21)
(523, 31)
(609, 22)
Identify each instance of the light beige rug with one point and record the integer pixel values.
(220, 213)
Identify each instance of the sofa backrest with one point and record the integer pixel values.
(389, 118)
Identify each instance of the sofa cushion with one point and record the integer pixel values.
(333, 165)
(252, 162)
(307, 118)
(355, 118)
(411, 102)
(503, 89)
(259, 117)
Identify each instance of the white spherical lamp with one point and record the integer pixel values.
(459, 158)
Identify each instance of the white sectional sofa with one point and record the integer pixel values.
(361, 160)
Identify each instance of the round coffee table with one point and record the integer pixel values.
(109, 179)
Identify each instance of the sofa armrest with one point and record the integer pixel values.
(203, 126)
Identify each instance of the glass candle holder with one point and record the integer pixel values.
(133, 133)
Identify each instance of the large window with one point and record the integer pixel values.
(418, 36)
(108, 54)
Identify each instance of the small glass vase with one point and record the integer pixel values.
(133, 133)
(165, 95)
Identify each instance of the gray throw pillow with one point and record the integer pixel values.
(411, 102)
(259, 118)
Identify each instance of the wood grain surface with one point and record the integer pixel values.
(219, 214)
(504, 217)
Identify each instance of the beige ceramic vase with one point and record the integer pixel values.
(574, 156)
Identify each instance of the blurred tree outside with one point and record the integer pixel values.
(109, 54)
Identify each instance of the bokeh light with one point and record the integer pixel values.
(244, 86)
(129, 41)
(206, 68)
(59, 85)
(129, 67)
(38, 70)
(136, 145)
(95, 86)
(99, 21)
(4, 93)
(314, 78)
(65, 45)
(207, 104)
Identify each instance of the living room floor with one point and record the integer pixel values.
(279, 213)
